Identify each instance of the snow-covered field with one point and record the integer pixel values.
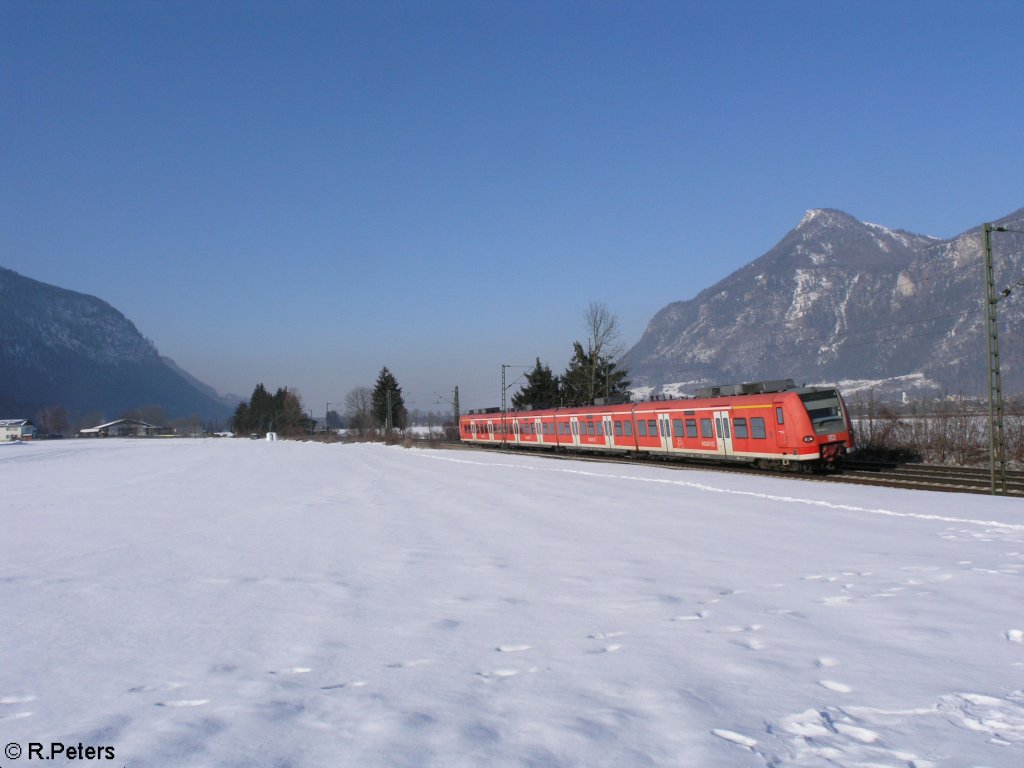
(247, 603)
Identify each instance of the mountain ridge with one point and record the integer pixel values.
(62, 347)
(841, 299)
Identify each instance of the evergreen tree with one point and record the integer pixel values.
(280, 412)
(386, 382)
(591, 375)
(241, 421)
(539, 391)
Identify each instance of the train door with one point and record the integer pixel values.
(665, 430)
(574, 428)
(609, 435)
(723, 432)
(779, 419)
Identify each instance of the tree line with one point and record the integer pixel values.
(367, 410)
(592, 373)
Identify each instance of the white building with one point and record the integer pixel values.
(16, 429)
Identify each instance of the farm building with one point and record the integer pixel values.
(122, 428)
(16, 429)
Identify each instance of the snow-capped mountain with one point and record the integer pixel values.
(839, 299)
(60, 347)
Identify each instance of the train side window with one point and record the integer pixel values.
(598, 428)
(618, 429)
(691, 427)
(779, 419)
(757, 428)
(627, 427)
(652, 427)
(590, 428)
(677, 427)
(739, 427)
(707, 429)
(641, 428)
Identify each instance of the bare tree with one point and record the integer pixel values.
(602, 331)
(603, 348)
(359, 409)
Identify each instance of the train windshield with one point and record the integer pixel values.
(825, 410)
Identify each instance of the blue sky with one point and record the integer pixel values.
(300, 193)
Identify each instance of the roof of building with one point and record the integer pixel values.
(109, 424)
(15, 422)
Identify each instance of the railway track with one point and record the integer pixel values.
(919, 477)
(929, 477)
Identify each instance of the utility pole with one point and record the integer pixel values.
(996, 436)
(455, 406)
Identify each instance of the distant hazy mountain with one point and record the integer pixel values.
(59, 347)
(842, 300)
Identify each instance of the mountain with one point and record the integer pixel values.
(59, 347)
(230, 400)
(841, 300)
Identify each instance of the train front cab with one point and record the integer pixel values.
(831, 435)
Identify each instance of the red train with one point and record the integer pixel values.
(772, 424)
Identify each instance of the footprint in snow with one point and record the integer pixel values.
(11, 701)
(752, 643)
(407, 664)
(290, 671)
(692, 617)
(16, 699)
(826, 661)
(833, 685)
(512, 648)
(183, 703)
(735, 738)
(497, 674)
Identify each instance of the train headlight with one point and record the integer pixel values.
(808, 439)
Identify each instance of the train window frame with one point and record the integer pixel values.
(618, 429)
(780, 415)
(739, 428)
(677, 428)
(641, 428)
(599, 429)
(652, 427)
(691, 427)
(627, 428)
(707, 427)
(757, 425)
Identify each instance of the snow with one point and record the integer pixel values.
(252, 603)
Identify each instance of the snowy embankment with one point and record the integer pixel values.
(245, 603)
